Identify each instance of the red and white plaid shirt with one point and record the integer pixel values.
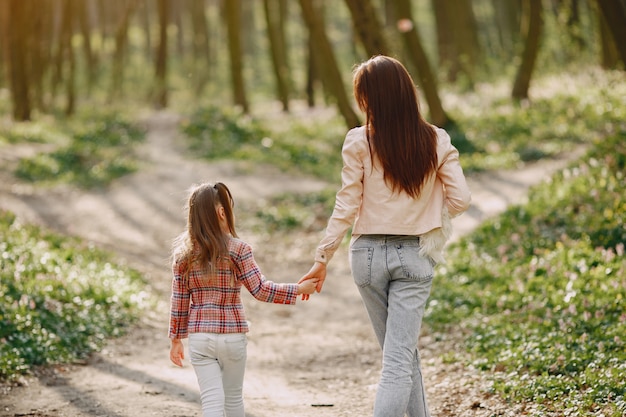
(203, 305)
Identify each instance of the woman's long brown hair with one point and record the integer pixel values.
(204, 244)
(404, 143)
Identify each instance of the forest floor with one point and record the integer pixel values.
(316, 359)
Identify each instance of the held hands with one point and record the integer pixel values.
(307, 287)
(316, 274)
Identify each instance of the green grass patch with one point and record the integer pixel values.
(98, 152)
(285, 212)
(543, 290)
(59, 299)
(493, 132)
(292, 145)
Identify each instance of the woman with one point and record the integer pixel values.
(401, 183)
(210, 265)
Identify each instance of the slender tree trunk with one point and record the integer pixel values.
(17, 33)
(614, 13)
(311, 73)
(278, 50)
(329, 70)
(67, 54)
(85, 25)
(121, 45)
(146, 22)
(160, 94)
(4, 47)
(369, 29)
(232, 9)
(466, 39)
(201, 47)
(445, 40)
(533, 28)
(39, 47)
(416, 53)
(507, 21)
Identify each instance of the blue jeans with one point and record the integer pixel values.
(395, 282)
(219, 361)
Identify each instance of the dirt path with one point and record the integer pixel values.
(318, 358)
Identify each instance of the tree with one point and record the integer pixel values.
(65, 55)
(121, 45)
(614, 13)
(532, 27)
(17, 33)
(232, 10)
(84, 25)
(368, 27)
(201, 46)
(275, 14)
(161, 56)
(609, 58)
(457, 38)
(418, 58)
(327, 64)
(507, 22)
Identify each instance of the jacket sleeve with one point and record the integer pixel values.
(348, 198)
(249, 274)
(179, 305)
(457, 193)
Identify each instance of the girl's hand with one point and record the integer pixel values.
(177, 352)
(307, 287)
(316, 273)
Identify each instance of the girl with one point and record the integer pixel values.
(210, 264)
(401, 182)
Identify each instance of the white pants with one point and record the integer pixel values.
(219, 361)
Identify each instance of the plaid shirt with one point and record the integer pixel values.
(202, 305)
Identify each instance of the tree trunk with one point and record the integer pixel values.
(67, 54)
(419, 59)
(507, 21)
(609, 58)
(160, 96)
(232, 9)
(274, 18)
(368, 27)
(311, 73)
(615, 15)
(85, 25)
(201, 47)
(40, 52)
(533, 28)
(329, 70)
(121, 44)
(17, 31)
(466, 39)
(445, 40)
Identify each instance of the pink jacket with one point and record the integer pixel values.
(369, 205)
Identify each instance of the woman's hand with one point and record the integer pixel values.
(307, 287)
(318, 273)
(177, 352)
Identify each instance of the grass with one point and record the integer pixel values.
(92, 154)
(59, 299)
(541, 290)
(298, 147)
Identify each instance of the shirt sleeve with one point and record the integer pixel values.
(249, 273)
(348, 198)
(457, 193)
(179, 305)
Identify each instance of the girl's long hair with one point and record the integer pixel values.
(399, 137)
(204, 244)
